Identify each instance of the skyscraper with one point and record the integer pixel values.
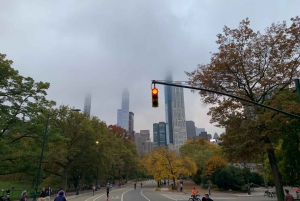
(140, 139)
(131, 125)
(169, 111)
(176, 134)
(190, 130)
(123, 113)
(87, 104)
(159, 134)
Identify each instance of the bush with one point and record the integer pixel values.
(228, 178)
(256, 178)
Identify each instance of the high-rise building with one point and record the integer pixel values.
(204, 135)
(87, 104)
(140, 139)
(123, 113)
(199, 130)
(190, 130)
(216, 136)
(131, 125)
(159, 134)
(147, 146)
(169, 111)
(209, 137)
(175, 116)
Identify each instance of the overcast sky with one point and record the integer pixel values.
(103, 46)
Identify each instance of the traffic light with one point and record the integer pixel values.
(154, 97)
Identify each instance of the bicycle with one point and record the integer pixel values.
(195, 199)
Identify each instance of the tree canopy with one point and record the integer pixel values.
(256, 67)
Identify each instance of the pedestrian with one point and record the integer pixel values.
(206, 198)
(61, 191)
(134, 185)
(141, 185)
(43, 193)
(288, 197)
(209, 190)
(93, 188)
(181, 186)
(61, 196)
(8, 195)
(107, 191)
(22, 195)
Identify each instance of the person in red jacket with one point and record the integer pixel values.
(194, 192)
(288, 197)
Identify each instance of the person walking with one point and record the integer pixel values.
(23, 196)
(206, 198)
(60, 197)
(209, 190)
(141, 185)
(288, 196)
(61, 191)
(43, 193)
(107, 191)
(134, 185)
(93, 188)
(181, 186)
(8, 195)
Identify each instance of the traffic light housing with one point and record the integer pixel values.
(154, 97)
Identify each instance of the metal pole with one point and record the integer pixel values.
(78, 176)
(297, 86)
(41, 159)
(225, 94)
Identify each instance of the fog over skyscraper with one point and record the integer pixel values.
(123, 113)
(87, 104)
(175, 116)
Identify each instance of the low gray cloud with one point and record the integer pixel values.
(101, 47)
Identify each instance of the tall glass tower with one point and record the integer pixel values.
(123, 113)
(87, 104)
(175, 116)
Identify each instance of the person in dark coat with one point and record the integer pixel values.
(60, 197)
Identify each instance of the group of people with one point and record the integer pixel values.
(205, 198)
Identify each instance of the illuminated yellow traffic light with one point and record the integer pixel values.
(154, 97)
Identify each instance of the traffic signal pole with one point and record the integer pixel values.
(229, 95)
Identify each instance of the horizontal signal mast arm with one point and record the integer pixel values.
(225, 94)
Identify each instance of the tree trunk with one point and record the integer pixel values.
(174, 182)
(276, 175)
(65, 178)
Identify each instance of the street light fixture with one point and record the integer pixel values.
(42, 153)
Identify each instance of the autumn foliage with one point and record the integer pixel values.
(258, 67)
(163, 163)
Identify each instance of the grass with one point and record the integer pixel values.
(18, 188)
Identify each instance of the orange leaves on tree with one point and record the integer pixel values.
(213, 163)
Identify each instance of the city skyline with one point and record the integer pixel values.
(100, 47)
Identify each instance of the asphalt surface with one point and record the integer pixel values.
(148, 193)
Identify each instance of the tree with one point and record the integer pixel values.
(163, 163)
(229, 177)
(199, 150)
(250, 65)
(213, 163)
(21, 101)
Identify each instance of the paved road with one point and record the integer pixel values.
(147, 193)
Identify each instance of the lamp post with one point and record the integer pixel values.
(78, 175)
(42, 153)
(97, 142)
